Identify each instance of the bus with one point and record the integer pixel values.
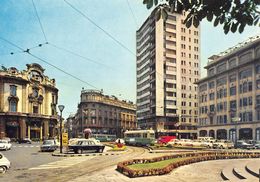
(104, 137)
(139, 137)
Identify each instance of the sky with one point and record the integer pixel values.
(106, 65)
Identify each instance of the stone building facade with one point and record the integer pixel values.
(229, 96)
(28, 101)
(103, 114)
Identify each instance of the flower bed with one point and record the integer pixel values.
(129, 168)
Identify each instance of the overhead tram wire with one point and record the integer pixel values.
(24, 51)
(42, 60)
(132, 13)
(62, 70)
(93, 22)
(39, 21)
(78, 55)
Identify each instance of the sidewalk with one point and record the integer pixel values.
(197, 172)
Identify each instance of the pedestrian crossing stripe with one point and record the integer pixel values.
(25, 146)
(65, 163)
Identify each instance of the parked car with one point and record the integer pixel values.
(173, 141)
(25, 140)
(81, 145)
(5, 144)
(4, 163)
(49, 146)
(223, 144)
(243, 145)
(185, 142)
(165, 139)
(255, 143)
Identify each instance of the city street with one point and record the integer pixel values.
(30, 165)
(24, 156)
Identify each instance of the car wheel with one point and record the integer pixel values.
(79, 151)
(3, 169)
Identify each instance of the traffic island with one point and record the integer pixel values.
(165, 164)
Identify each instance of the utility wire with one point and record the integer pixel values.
(132, 13)
(61, 70)
(78, 55)
(93, 22)
(28, 52)
(39, 21)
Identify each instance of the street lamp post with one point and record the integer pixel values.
(61, 107)
(235, 120)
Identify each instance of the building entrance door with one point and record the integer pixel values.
(12, 129)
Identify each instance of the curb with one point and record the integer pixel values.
(80, 155)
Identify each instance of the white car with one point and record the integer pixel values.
(5, 145)
(4, 163)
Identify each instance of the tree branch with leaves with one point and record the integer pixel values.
(233, 15)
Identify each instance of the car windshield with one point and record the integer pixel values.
(48, 142)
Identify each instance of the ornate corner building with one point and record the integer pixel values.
(229, 96)
(28, 101)
(103, 114)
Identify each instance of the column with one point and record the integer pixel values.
(29, 131)
(22, 124)
(2, 127)
(46, 129)
(41, 133)
(253, 132)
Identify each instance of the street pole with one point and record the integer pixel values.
(61, 132)
(61, 107)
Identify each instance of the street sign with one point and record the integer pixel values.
(65, 139)
(236, 119)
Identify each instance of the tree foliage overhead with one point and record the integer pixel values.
(233, 15)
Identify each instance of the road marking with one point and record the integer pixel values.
(25, 146)
(63, 163)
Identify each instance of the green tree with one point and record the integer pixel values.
(233, 15)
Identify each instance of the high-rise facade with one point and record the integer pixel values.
(229, 96)
(168, 62)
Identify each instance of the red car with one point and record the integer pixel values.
(165, 139)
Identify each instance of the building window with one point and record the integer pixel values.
(13, 106)
(257, 84)
(211, 85)
(211, 96)
(211, 72)
(233, 105)
(257, 69)
(233, 91)
(35, 109)
(232, 63)
(35, 93)
(258, 100)
(221, 68)
(232, 78)
(212, 108)
(13, 90)
(245, 74)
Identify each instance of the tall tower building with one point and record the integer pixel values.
(168, 65)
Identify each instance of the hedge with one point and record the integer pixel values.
(188, 158)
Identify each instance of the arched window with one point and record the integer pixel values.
(12, 106)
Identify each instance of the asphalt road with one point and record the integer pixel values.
(30, 165)
(24, 156)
